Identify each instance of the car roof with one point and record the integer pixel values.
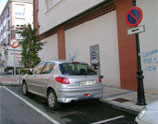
(57, 61)
(62, 61)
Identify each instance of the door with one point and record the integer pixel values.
(32, 80)
(44, 77)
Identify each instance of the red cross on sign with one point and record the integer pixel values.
(14, 43)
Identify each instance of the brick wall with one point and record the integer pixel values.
(61, 43)
(35, 15)
(127, 47)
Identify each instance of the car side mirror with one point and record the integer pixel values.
(30, 71)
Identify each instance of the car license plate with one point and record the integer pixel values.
(85, 83)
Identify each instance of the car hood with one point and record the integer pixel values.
(153, 106)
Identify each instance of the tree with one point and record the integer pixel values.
(31, 45)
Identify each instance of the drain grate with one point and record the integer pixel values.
(121, 100)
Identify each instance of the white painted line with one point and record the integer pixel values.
(32, 106)
(111, 119)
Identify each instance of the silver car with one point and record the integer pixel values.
(149, 114)
(62, 82)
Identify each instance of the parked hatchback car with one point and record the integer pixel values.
(149, 114)
(62, 82)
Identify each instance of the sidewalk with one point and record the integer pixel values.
(121, 99)
(10, 80)
(125, 99)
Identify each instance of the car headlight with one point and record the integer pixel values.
(142, 113)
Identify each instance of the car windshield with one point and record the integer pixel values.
(76, 69)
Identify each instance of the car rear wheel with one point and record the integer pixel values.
(24, 89)
(52, 100)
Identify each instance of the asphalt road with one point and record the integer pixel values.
(15, 111)
(18, 109)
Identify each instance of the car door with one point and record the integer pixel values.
(45, 76)
(33, 79)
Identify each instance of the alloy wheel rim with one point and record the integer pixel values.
(51, 99)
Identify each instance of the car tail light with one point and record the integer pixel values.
(100, 80)
(62, 80)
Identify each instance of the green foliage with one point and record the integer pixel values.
(31, 45)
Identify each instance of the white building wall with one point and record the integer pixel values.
(102, 31)
(27, 16)
(62, 11)
(149, 44)
(50, 49)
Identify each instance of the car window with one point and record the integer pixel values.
(38, 68)
(48, 68)
(76, 69)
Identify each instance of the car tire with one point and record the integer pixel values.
(52, 100)
(25, 89)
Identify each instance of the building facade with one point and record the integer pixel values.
(15, 15)
(88, 30)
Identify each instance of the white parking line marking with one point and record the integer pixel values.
(32, 106)
(111, 119)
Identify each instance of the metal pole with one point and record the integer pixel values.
(140, 77)
(134, 2)
(14, 66)
(19, 76)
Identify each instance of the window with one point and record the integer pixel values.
(8, 12)
(18, 36)
(19, 9)
(19, 21)
(8, 25)
(8, 37)
(38, 68)
(76, 69)
(48, 68)
(51, 3)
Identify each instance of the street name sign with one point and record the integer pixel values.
(14, 43)
(136, 30)
(134, 16)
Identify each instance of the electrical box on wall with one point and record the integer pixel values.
(94, 58)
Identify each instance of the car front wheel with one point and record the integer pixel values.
(52, 100)
(24, 89)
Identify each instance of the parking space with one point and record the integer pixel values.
(88, 111)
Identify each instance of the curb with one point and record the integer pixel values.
(121, 107)
(10, 84)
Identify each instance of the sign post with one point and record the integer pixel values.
(14, 43)
(133, 18)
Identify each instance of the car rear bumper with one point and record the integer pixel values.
(66, 95)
